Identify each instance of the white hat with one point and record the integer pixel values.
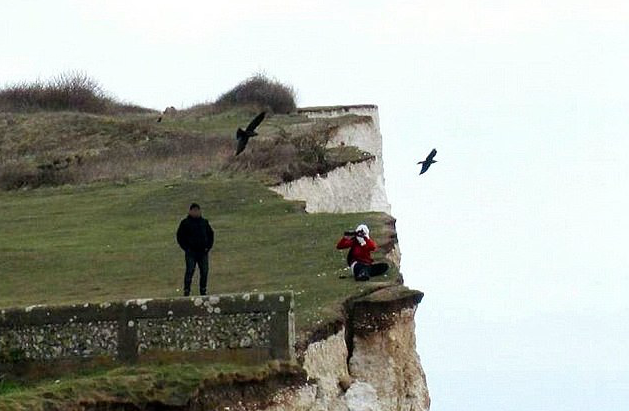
(364, 229)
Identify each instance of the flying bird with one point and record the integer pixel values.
(159, 119)
(428, 161)
(243, 136)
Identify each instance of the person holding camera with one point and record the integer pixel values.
(359, 256)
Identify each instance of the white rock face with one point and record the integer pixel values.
(362, 397)
(389, 362)
(302, 399)
(365, 136)
(326, 361)
(370, 110)
(384, 372)
(350, 189)
(326, 364)
(354, 187)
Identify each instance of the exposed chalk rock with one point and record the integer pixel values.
(353, 188)
(357, 187)
(388, 360)
(362, 397)
(326, 362)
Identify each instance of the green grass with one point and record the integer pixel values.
(226, 122)
(171, 384)
(109, 242)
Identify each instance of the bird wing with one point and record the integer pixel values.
(255, 122)
(425, 167)
(242, 143)
(432, 155)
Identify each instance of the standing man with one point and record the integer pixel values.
(196, 237)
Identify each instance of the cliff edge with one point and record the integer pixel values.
(355, 187)
(370, 363)
(355, 342)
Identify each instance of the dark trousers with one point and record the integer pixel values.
(194, 258)
(363, 272)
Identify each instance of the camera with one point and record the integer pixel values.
(353, 234)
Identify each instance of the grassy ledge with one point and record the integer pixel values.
(106, 241)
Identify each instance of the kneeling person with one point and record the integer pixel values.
(359, 256)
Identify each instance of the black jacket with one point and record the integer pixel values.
(195, 234)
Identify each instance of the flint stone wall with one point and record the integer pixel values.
(127, 331)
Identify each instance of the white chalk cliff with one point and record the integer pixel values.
(356, 187)
(376, 367)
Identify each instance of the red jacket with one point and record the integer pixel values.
(359, 253)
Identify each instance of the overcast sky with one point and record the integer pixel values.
(518, 235)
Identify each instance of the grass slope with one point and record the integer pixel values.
(56, 148)
(104, 242)
(169, 384)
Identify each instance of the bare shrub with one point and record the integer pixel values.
(21, 176)
(72, 91)
(173, 156)
(287, 157)
(260, 91)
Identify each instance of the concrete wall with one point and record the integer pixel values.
(261, 324)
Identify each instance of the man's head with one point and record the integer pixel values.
(195, 210)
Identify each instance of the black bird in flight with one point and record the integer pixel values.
(159, 119)
(243, 136)
(428, 161)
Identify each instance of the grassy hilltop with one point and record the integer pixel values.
(90, 201)
(105, 241)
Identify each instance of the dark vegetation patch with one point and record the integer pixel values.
(72, 91)
(67, 130)
(52, 149)
(260, 91)
(158, 387)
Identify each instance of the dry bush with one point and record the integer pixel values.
(17, 176)
(287, 157)
(72, 148)
(164, 157)
(172, 157)
(71, 91)
(260, 91)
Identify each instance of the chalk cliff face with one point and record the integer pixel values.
(371, 364)
(388, 362)
(356, 187)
